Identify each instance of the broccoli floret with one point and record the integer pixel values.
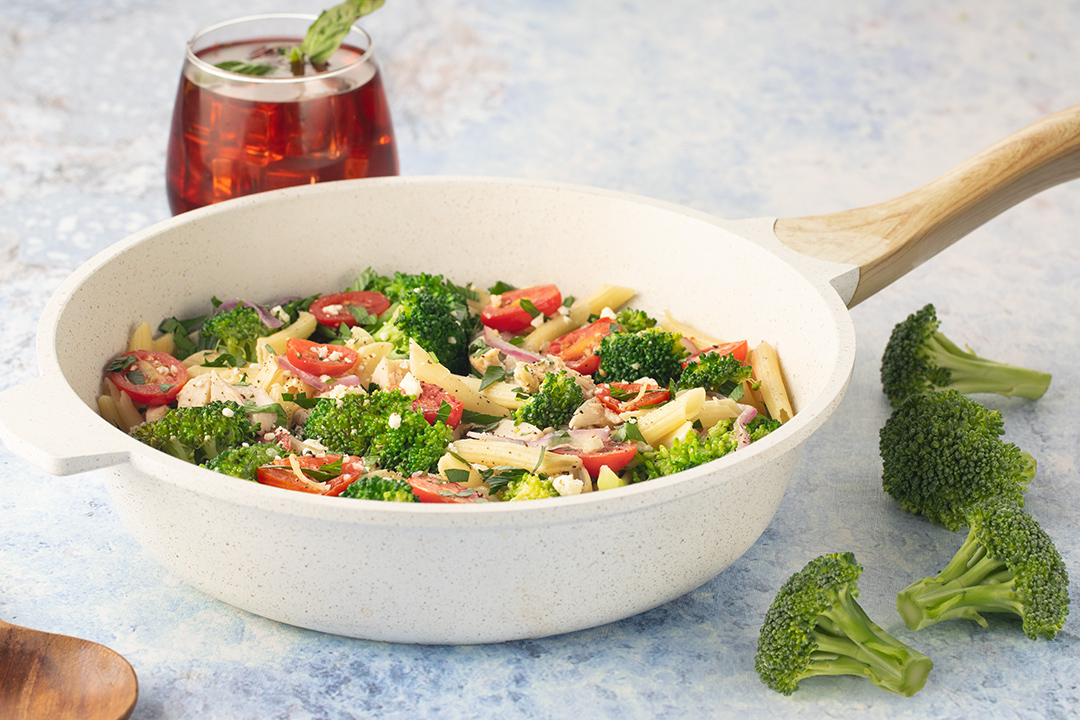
(381, 426)
(198, 434)
(377, 487)
(554, 403)
(244, 461)
(235, 331)
(717, 373)
(918, 357)
(432, 321)
(688, 452)
(942, 452)
(816, 626)
(761, 426)
(652, 353)
(631, 320)
(1007, 564)
(528, 487)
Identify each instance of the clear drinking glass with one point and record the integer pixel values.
(236, 134)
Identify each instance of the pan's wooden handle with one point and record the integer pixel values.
(889, 239)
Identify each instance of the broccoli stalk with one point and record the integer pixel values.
(942, 452)
(815, 626)
(1007, 564)
(528, 486)
(918, 357)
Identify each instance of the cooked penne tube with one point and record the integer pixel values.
(767, 372)
(449, 462)
(500, 393)
(713, 410)
(425, 369)
(556, 327)
(492, 453)
(303, 327)
(607, 296)
(142, 338)
(670, 324)
(164, 344)
(666, 419)
(680, 433)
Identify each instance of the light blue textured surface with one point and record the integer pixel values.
(742, 109)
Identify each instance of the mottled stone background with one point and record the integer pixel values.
(769, 108)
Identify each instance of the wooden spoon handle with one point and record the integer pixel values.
(889, 239)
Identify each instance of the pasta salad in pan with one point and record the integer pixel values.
(411, 388)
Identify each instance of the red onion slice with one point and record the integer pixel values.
(495, 340)
(314, 380)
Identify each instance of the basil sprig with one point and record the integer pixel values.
(322, 40)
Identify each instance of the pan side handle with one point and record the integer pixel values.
(891, 238)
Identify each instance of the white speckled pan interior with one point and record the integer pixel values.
(387, 571)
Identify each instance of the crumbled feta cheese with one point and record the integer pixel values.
(279, 312)
(567, 484)
(411, 385)
(564, 311)
(227, 412)
(538, 320)
(607, 313)
(334, 309)
(452, 340)
(395, 421)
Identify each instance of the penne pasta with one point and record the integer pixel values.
(501, 393)
(666, 419)
(767, 372)
(449, 462)
(492, 453)
(425, 369)
(670, 324)
(275, 344)
(713, 410)
(141, 338)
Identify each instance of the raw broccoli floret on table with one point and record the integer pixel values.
(381, 426)
(816, 626)
(553, 404)
(651, 353)
(918, 358)
(244, 461)
(942, 452)
(198, 434)
(1007, 564)
(377, 487)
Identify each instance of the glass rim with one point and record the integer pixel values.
(190, 56)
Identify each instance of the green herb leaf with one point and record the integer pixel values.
(135, 377)
(300, 399)
(501, 287)
(121, 363)
(527, 306)
(325, 35)
(444, 412)
(457, 475)
(361, 315)
(493, 374)
(225, 360)
(628, 432)
(471, 417)
(245, 68)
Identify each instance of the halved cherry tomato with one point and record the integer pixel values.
(320, 359)
(738, 349)
(430, 402)
(621, 397)
(615, 455)
(431, 489)
(148, 377)
(281, 475)
(577, 348)
(507, 315)
(333, 310)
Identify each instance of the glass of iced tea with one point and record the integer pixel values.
(235, 134)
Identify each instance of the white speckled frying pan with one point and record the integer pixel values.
(489, 572)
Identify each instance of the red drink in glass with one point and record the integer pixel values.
(236, 134)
